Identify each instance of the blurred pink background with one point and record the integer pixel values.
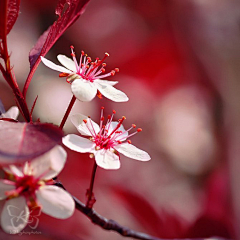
(179, 65)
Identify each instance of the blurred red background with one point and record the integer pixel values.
(179, 65)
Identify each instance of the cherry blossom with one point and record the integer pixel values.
(105, 142)
(30, 186)
(85, 77)
(12, 113)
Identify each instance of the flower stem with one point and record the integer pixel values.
(91, 200)
(67, 112)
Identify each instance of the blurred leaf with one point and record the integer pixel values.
(160, 224)
(9, 10)
(68, 11)
(24, 141)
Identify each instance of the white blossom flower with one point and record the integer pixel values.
(12, 113)
(31, 186)
(104, 141)
(85, 77)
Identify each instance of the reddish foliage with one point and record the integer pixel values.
(68, 11)
(23, 141)
(9, 10)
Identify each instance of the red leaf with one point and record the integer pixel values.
(9, 10)
(160, 224)
(24, 141)
(68, 11)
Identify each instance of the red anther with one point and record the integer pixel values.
(87, 66)
(84, 120)
(102, 108)
(97, 58)
(119, 120)
(123, 117)
(73, 55)
(63, 74)
(103, 126)
(133, 125)
(107, 54)
(114, 111)
(112, 73)
(89, 117)
(119, 142)
(109, 117)
(99, 61)
(129, 141)
(139, 129)
(102, 118)
(104, 64)
(103, 70)
(116, 70)
(82, 52)
(72, 47)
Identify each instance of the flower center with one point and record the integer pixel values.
(110, 134)
(88, 69)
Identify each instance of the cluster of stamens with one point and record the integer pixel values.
(88, 69)
(106, 139)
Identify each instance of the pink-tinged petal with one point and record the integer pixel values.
(14, 170)
(83, 128)
(131, 151)
(12, 113)
(107, 159)
(78, 144)
(67, 62)
(83, 90)
(55, 202)
(54, 66)
(5, 186)
(111, 93)
(15, 215)
(48, 165)
(112, 126)
(106, 82)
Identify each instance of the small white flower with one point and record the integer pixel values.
(12, 113)
(85, 77)
(31, 186)
(105, 141)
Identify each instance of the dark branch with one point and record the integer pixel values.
(108, 224)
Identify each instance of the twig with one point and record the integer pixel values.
(91, 200)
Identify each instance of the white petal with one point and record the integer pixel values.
(5, 186)
(48, 165)
(78, 144)
(106, 82)
(107, 159)
(83, 90)
(54, 66)
(17, 171)
(15, 215)
(67, 62)
(131, 151)
(112, 126)
(13, 113)
(83, 128)
(55, 202)
(111, 93)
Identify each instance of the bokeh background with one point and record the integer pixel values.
(180, 66)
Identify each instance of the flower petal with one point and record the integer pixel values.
(15, 215)
(131, 151)
(5, 186)
(12, 112)
(83, 90)
(78, 144)
(112, 126)
(83, 128)
(67, 62)
(105, 82)
(48, 165)
(107, 159)
(54, 66)
(111, 93)
(55, 202)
